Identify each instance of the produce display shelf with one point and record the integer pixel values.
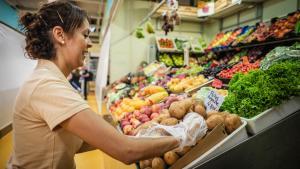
(272, 115)
(190, 91)
(236, 137)
(257, 44)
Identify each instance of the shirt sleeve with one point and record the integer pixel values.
(55, 101)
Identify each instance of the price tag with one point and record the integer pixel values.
(213, 101)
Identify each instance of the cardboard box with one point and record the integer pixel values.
(207, 142)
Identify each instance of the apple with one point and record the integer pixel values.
(155, 108)
(145, 119)
(124, 123)
(153, 115)
(135, 122)
(128, 129)
(136, 113)
(143, 109)
(142, 116)
(148, 111)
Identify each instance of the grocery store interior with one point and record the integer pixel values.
(234, 64)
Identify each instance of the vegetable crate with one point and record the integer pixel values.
(236, 137)
(272, 115)
(165, 44)
(203, 145)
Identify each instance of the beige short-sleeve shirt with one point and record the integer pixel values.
(44, 101)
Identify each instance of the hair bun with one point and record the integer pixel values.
(27, 19)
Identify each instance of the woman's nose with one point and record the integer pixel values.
(89, 43)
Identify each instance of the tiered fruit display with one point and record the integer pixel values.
(283, 26)
(220, 39)
(233, 36)
(243, 67)
(192, 70)
(147, 96)
(261, 33)
(131, 121)
(178, 85)
(246, 31)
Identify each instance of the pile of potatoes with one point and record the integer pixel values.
(168, 159)
(174, 114)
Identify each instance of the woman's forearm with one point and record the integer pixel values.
(85, 147)
(145, 148)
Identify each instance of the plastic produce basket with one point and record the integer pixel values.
(166, 49)
(272, 115)
(236, 137)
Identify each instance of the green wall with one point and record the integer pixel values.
(127, 52)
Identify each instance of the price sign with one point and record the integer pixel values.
(213, 101)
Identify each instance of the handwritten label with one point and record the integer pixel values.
(213, 101)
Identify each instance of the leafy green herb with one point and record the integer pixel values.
(260, 90)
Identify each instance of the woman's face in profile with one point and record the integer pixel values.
(77, 45)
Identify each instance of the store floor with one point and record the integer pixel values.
(93, 159)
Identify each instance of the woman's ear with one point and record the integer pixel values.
(58, 35)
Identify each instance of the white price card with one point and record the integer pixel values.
(213, 101)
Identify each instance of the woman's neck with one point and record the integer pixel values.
(64, 68)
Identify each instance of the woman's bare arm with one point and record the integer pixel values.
(94, 130)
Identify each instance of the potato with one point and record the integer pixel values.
(145, 163)
(169, 121)
(232, 122)
(214, 120)
(184, 150)
(165, 111)
(162, 117)
(211, 113)
(224, 114)
(143, 126)
(200, 110)
(170, 157)
(158, 163)
(177, 110)
(187, 103)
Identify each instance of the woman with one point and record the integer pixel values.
(51, 121)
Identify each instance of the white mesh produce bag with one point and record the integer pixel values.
(188, 132)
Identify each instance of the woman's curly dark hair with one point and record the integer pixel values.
(37, 26)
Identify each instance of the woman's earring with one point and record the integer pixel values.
(63, 42)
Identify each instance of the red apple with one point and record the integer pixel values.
(153, 115)
(136, 113)
(148, 111)
(135, 122)
(128, 129)
(145, 119)
(124, 123)
(155, 108)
